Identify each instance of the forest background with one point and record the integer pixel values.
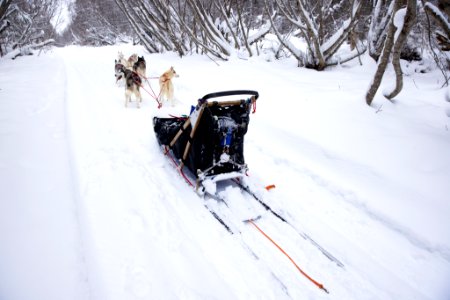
(318, 34)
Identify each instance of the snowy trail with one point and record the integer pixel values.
(118, 222)
(143, 229)
(40, 237)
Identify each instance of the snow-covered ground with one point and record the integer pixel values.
(91, 209)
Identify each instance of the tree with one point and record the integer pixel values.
(212, 27)
(97, 22)
(379, 24)
(5, 14)
(400, 24)
(25, 25)
(439, 15)
(325, 25)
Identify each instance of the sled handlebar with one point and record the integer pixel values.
(230, 93)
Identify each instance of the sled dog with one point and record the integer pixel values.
(140, 67)
(132, 85)
(118, 64)
(118, 74)
(131, 61)
(166, 85)
(120, 57)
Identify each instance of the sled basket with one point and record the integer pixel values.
(211, 140)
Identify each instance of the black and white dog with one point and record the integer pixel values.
(140, 67)
(132, 84)
(118, 74)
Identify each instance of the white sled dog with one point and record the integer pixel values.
(121, 58)
(132, 84)
(166, 85)
(131, 61)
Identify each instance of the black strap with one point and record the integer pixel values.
(231, 93)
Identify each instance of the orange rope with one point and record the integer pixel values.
(319, 285)
(269, 187)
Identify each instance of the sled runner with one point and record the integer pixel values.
(210, 141)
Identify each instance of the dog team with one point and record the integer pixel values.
(132, 72)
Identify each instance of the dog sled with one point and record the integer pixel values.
(209, 143)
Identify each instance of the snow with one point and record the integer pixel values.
(399, 20)
(90, 208)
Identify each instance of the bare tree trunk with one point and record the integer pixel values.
(409, 19)
(225, 15)
(148, 44)
(312, 37)
(243, 29)
(291, 48)
(384, 59)
(379, 26)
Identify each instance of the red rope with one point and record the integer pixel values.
(156, 99)
(319, 285)
(167, 152)
(154, 94)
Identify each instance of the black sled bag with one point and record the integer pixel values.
(211, 140)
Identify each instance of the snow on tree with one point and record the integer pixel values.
(443, 38)
(325, 25)
(97, 22)
(26, 25)
(213, 27)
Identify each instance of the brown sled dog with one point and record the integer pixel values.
(166, 85)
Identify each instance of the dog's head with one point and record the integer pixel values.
(133, 58)
(140, 63)
(120, 56)
(172, 73)
(119, 70)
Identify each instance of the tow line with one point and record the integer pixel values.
(319, 285)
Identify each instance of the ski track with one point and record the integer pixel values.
(301, 250)
(352, 198)
(356, 214)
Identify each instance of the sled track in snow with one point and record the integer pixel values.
(273, 213)
(351, 198)
(232, 226)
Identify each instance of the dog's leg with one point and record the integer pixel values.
(161, 92)
(127, 97)
(170, 93)
(138, 97)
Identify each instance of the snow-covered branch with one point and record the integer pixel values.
(28, 49)
(318, 27)
(443, 39)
